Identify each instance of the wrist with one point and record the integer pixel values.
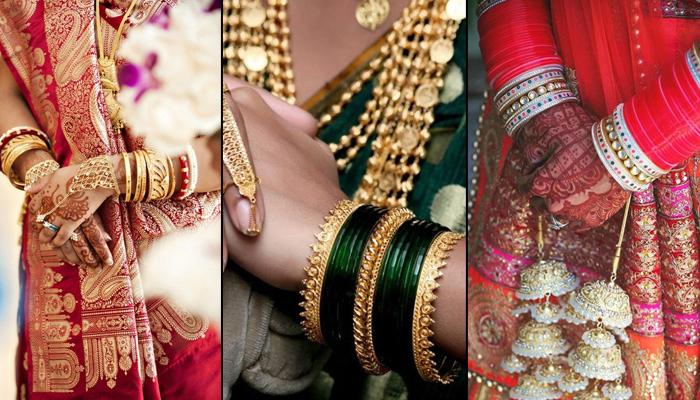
(28, 159)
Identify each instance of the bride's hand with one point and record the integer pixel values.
(75, 218)
(300, 184)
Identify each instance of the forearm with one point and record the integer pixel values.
(16, 113)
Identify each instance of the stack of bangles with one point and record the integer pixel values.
(153, 176)
(654, 131)
(17, 141)
(370, 285)
(531, 93)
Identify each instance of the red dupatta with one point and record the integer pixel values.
(90, 332)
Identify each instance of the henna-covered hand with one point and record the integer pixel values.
(75, 215)
(564, 168)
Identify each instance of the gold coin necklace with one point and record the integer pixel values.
(396, 120)
(108, 67)
(372, 13)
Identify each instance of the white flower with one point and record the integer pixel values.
(187, 98)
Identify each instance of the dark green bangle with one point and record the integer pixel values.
(396, 290)
(337, 295)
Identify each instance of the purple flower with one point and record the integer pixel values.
(139, 77)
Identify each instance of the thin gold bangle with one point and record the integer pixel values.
(144, 176)
(127, 177)
(366, 287)
(139, 174)
(171, 174)
(435, 259)
(316, 269)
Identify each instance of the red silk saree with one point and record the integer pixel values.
(612, 50)
(90, 333)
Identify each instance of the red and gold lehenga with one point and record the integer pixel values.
(90, 333)
(611, 50)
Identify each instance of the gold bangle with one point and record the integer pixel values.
(15, 149)
(40, 170)
(158, 176)
(316, 269)
(127, 176)
(17, 146)
(435, 259)
(139, 174)
(171, 174)
(366, 287)
(144, 176)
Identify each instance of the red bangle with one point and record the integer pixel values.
(665, 119)
(185, 175)
(516, 37)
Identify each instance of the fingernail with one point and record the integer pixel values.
(246, 218)
(28, 188)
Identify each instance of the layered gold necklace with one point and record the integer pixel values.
(409, 69)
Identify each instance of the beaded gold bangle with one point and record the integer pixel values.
(127, 177)
(40, 170)
(422, 331)
(366, 288)
(316, 269)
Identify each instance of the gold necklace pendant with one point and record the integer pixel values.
(372, 13)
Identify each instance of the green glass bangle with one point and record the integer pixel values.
(396, 289)
(337, 295)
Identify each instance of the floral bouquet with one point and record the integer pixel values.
(171, 79)
(170, 93)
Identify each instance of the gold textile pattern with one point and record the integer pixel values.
(409, 70)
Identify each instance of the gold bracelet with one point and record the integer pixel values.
(96, 172)
(158, 176)
(40, 170)
(173, 182)
(139, 174)
(366, 287)
(435, 259)
(127, 177)
(316, 269)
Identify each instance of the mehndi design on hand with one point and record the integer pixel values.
(97, 172)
